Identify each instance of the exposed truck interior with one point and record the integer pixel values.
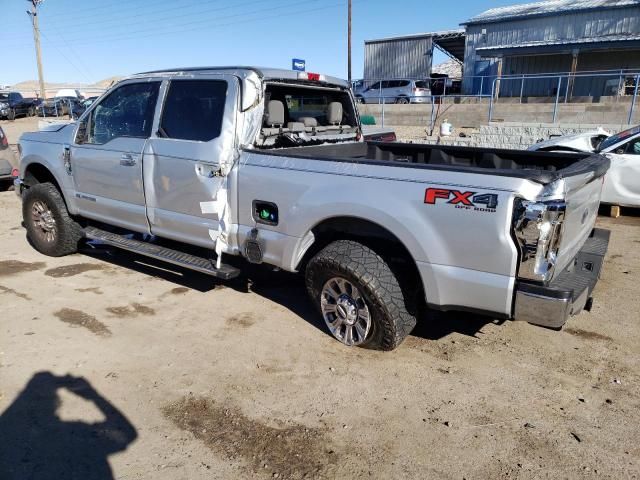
(306, 115)
(543, 167)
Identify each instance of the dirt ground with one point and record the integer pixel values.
(112, 366)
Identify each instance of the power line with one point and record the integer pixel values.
(67, 58)
(149, 19)
(147, 33)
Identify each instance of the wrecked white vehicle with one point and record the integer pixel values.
(622, 183)
(269, 165)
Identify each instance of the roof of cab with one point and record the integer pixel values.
(264, 73)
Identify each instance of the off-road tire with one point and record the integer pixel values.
(368, 271)
(68, 234)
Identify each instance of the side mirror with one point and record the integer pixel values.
(81, 133)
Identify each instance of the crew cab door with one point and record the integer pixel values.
(622, 183)
(106, 157)
(188, 154)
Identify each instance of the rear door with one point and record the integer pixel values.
(622, 183)
(183, 159)
(106, 158)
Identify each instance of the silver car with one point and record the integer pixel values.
(394, 91)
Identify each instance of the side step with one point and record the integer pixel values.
(185, 260)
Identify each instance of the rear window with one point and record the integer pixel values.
(194, 109)
(422, 84)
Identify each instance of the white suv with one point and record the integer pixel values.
(395, 91)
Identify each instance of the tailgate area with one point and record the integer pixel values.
(569, 292)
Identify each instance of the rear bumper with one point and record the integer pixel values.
(570, 292)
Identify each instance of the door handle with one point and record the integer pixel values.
(128, 160)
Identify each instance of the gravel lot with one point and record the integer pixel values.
(113, 366)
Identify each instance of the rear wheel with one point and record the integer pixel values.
(31, 112)
(402, 100)
(358, 296)
(49, 226)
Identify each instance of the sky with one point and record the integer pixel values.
(84, 41)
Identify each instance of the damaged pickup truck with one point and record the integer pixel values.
(189, 166)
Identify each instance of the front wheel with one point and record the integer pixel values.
(359, 296)
(49, 226)
(12, 114)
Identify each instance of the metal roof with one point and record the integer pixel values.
(600, 39)
(443, 33)
(551, 7)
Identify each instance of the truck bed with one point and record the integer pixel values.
(541, 167)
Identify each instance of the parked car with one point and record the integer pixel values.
(396, 91)
(55, 107)
(8, 162)
(13, 105)
(79, 107)
(441, 84)
(266, 164)
(622, 183)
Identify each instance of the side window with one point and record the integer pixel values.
(403, 83)
(193, 110)
(633, 147)
(387, 84)
(125, 112)
(375, 86)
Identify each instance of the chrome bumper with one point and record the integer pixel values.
(569, 293)
(18, 184)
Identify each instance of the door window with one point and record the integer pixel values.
(125, 112)
(633, 147)
(194, 109)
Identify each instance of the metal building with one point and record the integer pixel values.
(558, 36)
(409, 56)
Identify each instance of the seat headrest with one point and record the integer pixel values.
(334, 113)
(309, 121)
(275, 113)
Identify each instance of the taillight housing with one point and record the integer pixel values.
(537, 227)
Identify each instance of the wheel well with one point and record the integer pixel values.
(376, 237)
(38, 173)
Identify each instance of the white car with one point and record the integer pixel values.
(622, 182)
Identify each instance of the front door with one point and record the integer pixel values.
(183, 159)
(106, 158)
(622, 182)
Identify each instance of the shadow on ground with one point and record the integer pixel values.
(36, 444)
(285, 288)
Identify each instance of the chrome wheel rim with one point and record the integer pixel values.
(345, 311)
(44, 221)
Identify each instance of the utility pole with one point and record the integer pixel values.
(349, 43)
(33, 13)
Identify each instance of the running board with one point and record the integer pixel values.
(175, 257)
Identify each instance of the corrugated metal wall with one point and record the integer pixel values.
(548, 28)
(409, 57)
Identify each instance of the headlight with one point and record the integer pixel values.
(537, 227)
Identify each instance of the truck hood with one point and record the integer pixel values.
(580, 142)
(52, 133)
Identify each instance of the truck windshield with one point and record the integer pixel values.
(4, 96)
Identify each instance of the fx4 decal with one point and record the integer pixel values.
(465, 200)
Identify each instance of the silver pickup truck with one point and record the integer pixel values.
(270, 165)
